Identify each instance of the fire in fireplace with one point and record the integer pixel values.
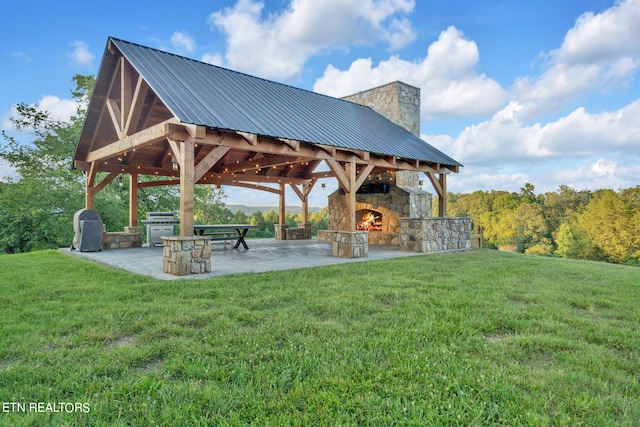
(371, 220)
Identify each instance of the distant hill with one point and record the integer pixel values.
(249, 210)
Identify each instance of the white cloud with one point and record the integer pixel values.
(602, 173)
(447, 76)
(183, 42)
(472, 178)
(580, 134)
(213, 59)
(6, 171)
(603, 37)
(601, 50)
(278, 45)
(58, 109)
(81, 54)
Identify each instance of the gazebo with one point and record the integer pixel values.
(181, 120)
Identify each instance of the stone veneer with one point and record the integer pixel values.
(397, 101)
(400, 201)
(283, 232)
(347, 244)
(435, 234)
(186, 255)
(130, 238)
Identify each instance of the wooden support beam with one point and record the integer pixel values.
(135, 111)
(251, 138)
(114, 113)
(263, 163)
(187, 183)
(175, 150)
(439, 182)
(209, 161)
(282, 211)
(133, 200)
(303, 195)
(126, 96)
(147, 136)
(90, 179)
(350, 196)
(339, 173)
(433, 178)
(442, 201)
(107, 179)
(294, 145)
(362, 176)
(298, 192)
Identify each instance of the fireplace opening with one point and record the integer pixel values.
(368, 220)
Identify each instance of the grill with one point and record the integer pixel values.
(88, 231)
(159, 224)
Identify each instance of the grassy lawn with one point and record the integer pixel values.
(478, 338)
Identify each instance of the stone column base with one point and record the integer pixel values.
(186, 255)
(351, 244)
(280, 231)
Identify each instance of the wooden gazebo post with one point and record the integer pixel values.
(133, 200)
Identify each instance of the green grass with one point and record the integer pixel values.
(477, 338)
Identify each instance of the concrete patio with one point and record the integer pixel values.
(262, 255)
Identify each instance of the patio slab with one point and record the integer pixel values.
(262, 255)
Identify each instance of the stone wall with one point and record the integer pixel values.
(299, 233)
(283, 232)
(435, 234)
(130, 238)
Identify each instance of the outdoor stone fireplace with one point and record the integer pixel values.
(383, 199)
(400, 214)
(391, 207)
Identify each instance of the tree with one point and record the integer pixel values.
(209, 207)
(563, 204)
(603, 222)
(38, 207)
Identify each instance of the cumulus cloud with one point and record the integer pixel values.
(81, 54)
(450, 85)
(600, 50)
(58, 109)
(214, 59)
(579, 134)
(278, 45)
(603, 37)
(183, 42)
(601, 173)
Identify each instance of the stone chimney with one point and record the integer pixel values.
(400, 103)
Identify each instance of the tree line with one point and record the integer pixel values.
(600, 225)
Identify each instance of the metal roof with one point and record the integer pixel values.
(203, 94)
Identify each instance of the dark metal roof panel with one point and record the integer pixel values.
(204, 94)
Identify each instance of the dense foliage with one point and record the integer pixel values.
(602, 225)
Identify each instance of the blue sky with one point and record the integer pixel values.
(544, 92)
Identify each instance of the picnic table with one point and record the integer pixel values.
(224, 232)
